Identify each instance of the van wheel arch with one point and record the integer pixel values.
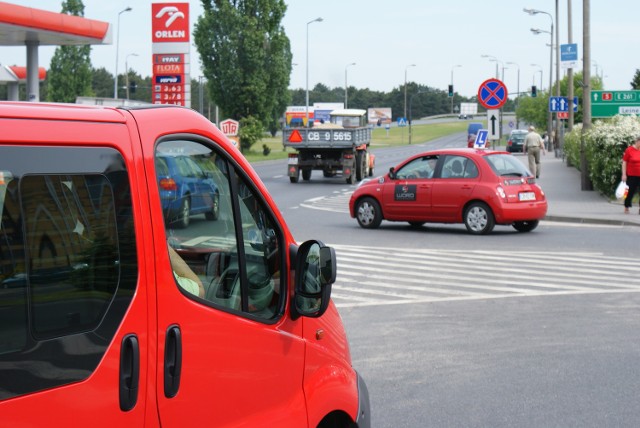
(337, 419)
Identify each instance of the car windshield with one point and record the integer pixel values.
(505, 165)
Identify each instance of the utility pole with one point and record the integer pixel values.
(570, 70)
(585, 182)
(557, 139)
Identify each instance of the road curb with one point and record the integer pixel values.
(581, 220)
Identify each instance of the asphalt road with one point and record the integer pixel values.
(449, 329)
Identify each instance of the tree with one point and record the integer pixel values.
(102, 83)
(70, 73)
(635, 83)
(534, 110)
(246, 57)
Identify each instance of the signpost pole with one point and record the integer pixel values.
(585, 182)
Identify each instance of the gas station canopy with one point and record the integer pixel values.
(20, 25)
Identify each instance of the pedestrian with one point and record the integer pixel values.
(631, 172)
(533, 144)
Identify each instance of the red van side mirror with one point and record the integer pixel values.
(315, 273)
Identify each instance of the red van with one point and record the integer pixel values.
(117, 312)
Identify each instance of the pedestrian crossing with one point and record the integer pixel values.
(338, 202)
(389, 276)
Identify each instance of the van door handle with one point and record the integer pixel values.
(129, 372)
(172, 361)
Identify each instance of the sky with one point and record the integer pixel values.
(426, 41)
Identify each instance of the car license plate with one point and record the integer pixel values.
(527, 196)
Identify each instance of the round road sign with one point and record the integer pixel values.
(492, 94)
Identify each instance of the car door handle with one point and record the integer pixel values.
(172, 361)
(129, 372)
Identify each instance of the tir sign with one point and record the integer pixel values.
(295, 137)
(170, 22)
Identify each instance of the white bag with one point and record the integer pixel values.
(622, 190)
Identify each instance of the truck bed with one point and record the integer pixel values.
(325, 137)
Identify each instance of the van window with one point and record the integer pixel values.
(222, 229)
(67, 255)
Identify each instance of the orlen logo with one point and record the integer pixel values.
(170, 22)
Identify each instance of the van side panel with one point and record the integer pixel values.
(330, 383)
(94, 401)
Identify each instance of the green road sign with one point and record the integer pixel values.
(612, 103)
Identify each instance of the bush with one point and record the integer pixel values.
(571, 146)
(251, 131)
(605, 143)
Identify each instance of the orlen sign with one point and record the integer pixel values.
(170, 22)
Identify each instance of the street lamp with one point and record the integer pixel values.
(307, 91)
(455, 66)
(405, 88)
(534, 75)
(493, 58)
(410, 108)
(346, 104)
(115, 83)
(126, 70)
(550, 116)
(537, 31)
(517, 89)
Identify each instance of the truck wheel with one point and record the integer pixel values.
(295, 178)
(306, 174)
(360, 166)
(351, 179)
(368, 213)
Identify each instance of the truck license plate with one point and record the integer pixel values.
(293, 161)
(527, 196)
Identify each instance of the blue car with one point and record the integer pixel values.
(185, 190)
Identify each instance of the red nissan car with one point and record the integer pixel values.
(480, 188)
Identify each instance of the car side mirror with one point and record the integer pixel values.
(315, 273)
(392, 173)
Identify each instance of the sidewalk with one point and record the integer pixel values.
(567, 202)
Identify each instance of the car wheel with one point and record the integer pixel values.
(368, 213)
(215, 208)
(479, 219)
(182, 220)
(525, 226)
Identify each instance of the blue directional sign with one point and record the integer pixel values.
(569, 55)
(560, 104)
(481, 139)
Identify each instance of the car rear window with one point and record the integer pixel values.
(506, 165)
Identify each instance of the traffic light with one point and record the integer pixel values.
(534, 91)
(132, 87)
(450, 90)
